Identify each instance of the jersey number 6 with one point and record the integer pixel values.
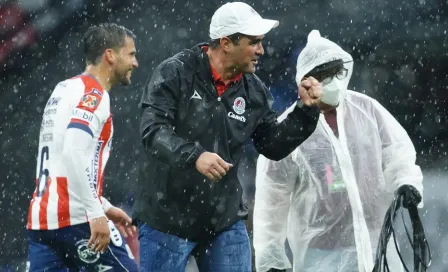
(44, 174)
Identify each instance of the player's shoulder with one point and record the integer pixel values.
(93, 92)
(73, 84)
(89, 84)
(79, 85)
(67, 90)
(86, 92)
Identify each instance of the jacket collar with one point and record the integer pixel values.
(204, 68)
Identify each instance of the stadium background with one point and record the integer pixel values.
(400, 56)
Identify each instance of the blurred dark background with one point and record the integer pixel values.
(399, 48)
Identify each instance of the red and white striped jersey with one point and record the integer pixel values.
(65, 188)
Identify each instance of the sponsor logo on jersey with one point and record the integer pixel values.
(239, 105)
(46, 123)
(89, 101)
(83, 115)
(47, 137)
(85, 253)
(50, 111)
(96, 162)
(53, 101)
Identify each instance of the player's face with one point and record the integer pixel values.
(245, 55)
(126, 62)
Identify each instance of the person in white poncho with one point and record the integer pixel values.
(328, 198)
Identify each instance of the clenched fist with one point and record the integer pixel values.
(212, 166)
(310, 91)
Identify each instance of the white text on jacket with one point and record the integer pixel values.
(237, 117)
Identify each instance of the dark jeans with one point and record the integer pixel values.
(229, 250)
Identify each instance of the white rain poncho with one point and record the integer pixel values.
(329, 196)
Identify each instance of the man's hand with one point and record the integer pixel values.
(122, 221)
(310, 91)
(99, 234)
(212, 166)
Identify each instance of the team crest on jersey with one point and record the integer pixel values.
(89, 101)
(85, 253)
(239, 105)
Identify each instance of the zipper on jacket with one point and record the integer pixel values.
(215, 141)
(215, 145)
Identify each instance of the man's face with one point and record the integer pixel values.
(326, 74)
(246, 53)
(126, 62)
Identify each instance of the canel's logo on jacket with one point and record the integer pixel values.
(239, 106)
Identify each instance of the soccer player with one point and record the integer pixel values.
(68, 218)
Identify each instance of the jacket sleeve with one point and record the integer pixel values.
(275, 181)
(275, 140)
(398, 153)
(159, 110)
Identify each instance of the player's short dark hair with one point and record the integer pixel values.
(101, 37)
(235, 38)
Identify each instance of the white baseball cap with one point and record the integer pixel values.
(239, 17)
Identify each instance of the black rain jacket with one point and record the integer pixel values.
(182, 117)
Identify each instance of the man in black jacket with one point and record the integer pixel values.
(199, 108)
